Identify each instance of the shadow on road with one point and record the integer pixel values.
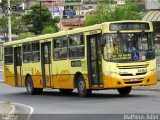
(74, 95)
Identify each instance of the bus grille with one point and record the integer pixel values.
(128, 81)
(133, 82)
(133, 66)
(130, 74)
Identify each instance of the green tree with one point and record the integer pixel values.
(15, 24)
(3, 23)
(25, 35)
(112, 12)
(39, 18)
(49, 29)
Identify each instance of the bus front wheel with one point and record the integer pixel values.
(125, 90)
(81, 87)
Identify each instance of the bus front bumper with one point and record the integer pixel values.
(114, 82)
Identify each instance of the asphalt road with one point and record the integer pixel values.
(101, 102)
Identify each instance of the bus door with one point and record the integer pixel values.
(18, 66)
(94, 60)
(46, 63)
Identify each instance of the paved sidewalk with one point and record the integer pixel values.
(15, 111)
(1, 65)
(6, 108)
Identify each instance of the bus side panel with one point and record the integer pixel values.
(9, 75)
(37, 75)
(63, 81)
(62, 77)
(107, 81)
(64, 73)
(34, 70)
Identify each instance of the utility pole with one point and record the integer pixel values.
(9, 22)
(61, 8)
(40, 17)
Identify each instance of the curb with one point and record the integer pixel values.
(0, 79)
(12, 111)
(143, 89)
(148, 88)
(31, 109)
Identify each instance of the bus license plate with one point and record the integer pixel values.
(134, 79)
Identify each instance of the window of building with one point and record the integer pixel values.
(35, 51)
(8, 55)
(76, 46)
(26, 52)
(60, 48)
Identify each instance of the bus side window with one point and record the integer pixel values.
(60, 48)
(26, 52)
(35, 52)
(8, 55)
(76, 46)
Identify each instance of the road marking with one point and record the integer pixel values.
(1, 70)
(31, 108)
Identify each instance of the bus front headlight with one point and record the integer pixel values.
(113, 74)
(152, 71)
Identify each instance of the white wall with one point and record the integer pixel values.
(152, 4)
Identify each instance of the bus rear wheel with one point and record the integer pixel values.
(30, 88)
(124, 90)
(81, 87)
(65, 91)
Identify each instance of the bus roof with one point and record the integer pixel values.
(68, 32)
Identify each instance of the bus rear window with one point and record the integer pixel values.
(8, 51)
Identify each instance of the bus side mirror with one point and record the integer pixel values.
(103, 41)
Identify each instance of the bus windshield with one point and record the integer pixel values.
(129, 47)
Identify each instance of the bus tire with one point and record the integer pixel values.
(29, 86)
(65, 91)
(124, 90)
(81, 87)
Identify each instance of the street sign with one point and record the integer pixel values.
(23, 6)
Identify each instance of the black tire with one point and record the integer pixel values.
(81, 87)
(125, 90)
(65, 91)
(30, 87)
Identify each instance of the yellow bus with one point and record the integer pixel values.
(112, 55)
